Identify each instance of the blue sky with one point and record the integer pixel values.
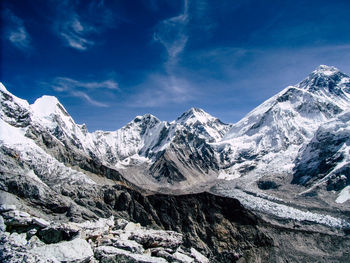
(108, 61)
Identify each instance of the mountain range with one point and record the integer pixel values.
(288, 160)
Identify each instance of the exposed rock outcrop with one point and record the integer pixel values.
(90, 241)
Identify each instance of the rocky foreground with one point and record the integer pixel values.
(26, 238)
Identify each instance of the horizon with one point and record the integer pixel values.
(122, 60)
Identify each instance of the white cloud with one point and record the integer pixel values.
(80, 89)
(75, 33)
(161, 89)
(16, 32)
(63, 83)
(78, 27)
(171, 33)
(86, 97)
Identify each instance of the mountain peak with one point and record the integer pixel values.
(327, 81)
(47, 105)
(146, 117)
(193, 115)
(3, 88)
(326, 70)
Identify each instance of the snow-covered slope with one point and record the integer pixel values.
(269, 137)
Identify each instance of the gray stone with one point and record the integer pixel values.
(17, 218)
(6, 207)
(132, 226)
(77, 250)
(121, 223)
(34, 241)
(182, 257)
(157, 238)
(31, 232)
(129, 245)
(112, 254)
(40, 222)
(18, 239)
(2, 224)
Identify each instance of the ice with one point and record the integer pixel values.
(283, 211)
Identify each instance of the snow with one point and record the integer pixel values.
(36, 157)
(267, 139)
(45, 106)
(226, 176)
(283, 211)
(21, 102)
(344, 195)
(11, 135)
(326, 70)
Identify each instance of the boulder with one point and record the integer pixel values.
(132, 226)
(182, 257)
(157, 238)
(77, 250)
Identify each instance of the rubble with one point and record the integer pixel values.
(89, 241)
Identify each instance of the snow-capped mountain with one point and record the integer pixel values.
(288, 160)
(268, 139)
(273, 145)
(326, 158)
(146, 151)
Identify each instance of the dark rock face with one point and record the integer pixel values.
(206, 220)
(266, 185)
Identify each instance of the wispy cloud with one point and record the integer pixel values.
(78, 27)
(75, 33)
(172, 34)
(160, 89)
(80, 89)
(83, 95)
(64, 84)
(16, 32)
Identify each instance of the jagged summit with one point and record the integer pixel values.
(328, 82)
(325, 70)
(195, 115)
(146, 117)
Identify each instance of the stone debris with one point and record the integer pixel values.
(28, 239)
